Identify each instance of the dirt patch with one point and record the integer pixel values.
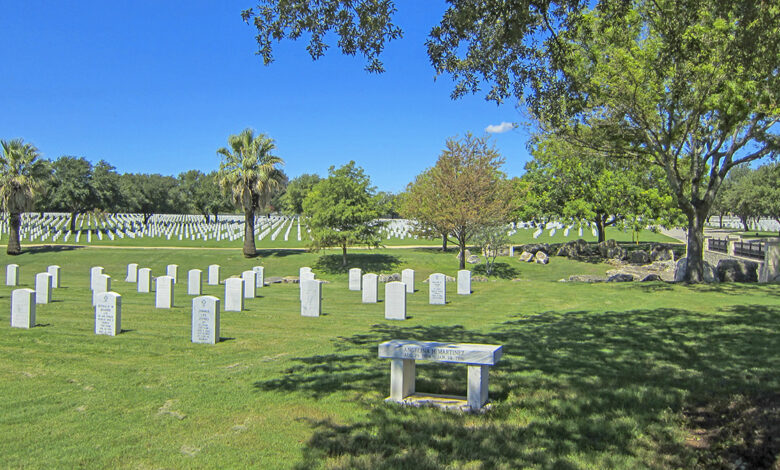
(742, 432)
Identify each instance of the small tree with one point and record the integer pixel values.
(491, 239)
(469, 189)
(342, 209)
(72, 190)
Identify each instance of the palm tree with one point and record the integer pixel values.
(248, 170)
(18, 185)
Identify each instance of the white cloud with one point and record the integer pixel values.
(499, 128)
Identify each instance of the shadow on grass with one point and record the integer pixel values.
(278, 253)
(736, 288)
(580, 389)
(500, 270)
(368, 262)
(50, 249)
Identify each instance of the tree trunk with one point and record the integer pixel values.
(249, 233)
(721, 221)
(206, 216)
(344, 254)
(147, 216)
(695, 247)
(444, 242)
(73, 221)
(600, 228)
(744, 223)
(462, 246)
(14, 225)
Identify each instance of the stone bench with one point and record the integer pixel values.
(403, 355)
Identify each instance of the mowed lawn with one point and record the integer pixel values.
(593, 375)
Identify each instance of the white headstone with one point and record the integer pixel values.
(101, 283)
(108, 313)
(23, 308)
(303, 273)
(464, 282)
(370, 288)
(54, 270)
(12, 275)
(407, 277)
(259, 276)
(94, 272)
(213, 279)
(144, 280)
(164, 292)
(395, 301)
(194, 283)
(250, 283)
(42, 288)
(437, 289)
(132, 272)
(234, 294)
(311, 298)
(205, 319)
(355, 278)
(172, 270)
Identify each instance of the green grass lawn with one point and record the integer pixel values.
(593, 375)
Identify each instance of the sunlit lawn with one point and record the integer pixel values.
(593, 375)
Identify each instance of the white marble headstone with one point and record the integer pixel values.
(172, 270)
(259, 276)
(437, 289)
(164, 292)
(464, 282)
(42, 288)
(311, 298)
(370, 288)
(213, 279)
(355, 278)
(108, 313)
(205, 319)
(54, 270)
(250, 283)
(407, 277)
(132, 272)
(194, 282)
(144, 280)
(101, 283)
(234, 294)
(23, 308)
(12, 275)
(395, 301)
(94, 272)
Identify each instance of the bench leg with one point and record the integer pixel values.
(401, 378)
(478, 386)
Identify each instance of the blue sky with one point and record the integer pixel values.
(157, 86)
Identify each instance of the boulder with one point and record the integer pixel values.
(661, 253)
(290, 280)
(611, 250)
(468, 253)
(651, 278)
(620, 277)
(473, 259)
(537, 247)
(526, 257)
(576, 249)
(639, 257)
(273, 280)
(389, 277)
(710, 274)
(541, 258)
(734, 270)
(590, 278)
(479, 279)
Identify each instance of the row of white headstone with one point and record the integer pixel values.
(53, 226)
